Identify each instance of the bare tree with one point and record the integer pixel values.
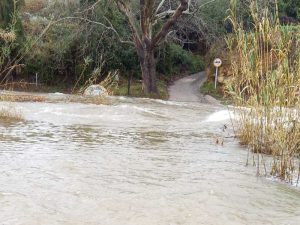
(142, 32)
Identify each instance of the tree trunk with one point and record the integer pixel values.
(144, 41)
(148, 67)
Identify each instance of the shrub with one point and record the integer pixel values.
(11, 39)
(173, 59)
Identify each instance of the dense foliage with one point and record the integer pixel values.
(75, 48)
(96, 39)
(11, 38)
(6, 9)
(290, 8)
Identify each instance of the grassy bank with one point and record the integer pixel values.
(136, 90)
(208, 88)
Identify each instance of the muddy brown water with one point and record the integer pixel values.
(135, 162)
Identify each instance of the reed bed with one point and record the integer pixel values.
(265, 88)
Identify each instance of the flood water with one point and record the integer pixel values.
(135, 162)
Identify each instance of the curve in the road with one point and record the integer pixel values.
(187, 89)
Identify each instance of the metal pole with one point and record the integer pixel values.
(216, 78)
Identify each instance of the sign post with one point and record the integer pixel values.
(36, 79)
(217, 64)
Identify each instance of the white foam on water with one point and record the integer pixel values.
(164, 102)
(121, 97)
(294, 183)
(57, 93)
(145, 110)
(220, 116)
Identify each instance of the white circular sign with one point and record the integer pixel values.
(217, 62)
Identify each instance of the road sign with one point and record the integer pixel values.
(217, 64)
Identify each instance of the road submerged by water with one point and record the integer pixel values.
(187, 89)
(133, 162)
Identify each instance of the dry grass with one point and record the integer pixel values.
(96, 100)
(22, 98)
(7, 36)
(136, 90)
(10, 115)
(266, 80)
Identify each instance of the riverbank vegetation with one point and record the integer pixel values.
(65, 44)
(265, 82)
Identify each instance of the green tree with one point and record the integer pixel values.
(149, 22)
(9, 16)
(6, 12)
(290, 8)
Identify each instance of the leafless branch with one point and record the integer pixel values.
(97, 23)
(122, 6)
(164, 30)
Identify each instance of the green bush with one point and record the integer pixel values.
(52, 56)
(173, 59)
(6, 11)
(11, 38)
(289, 8)
(73, 49)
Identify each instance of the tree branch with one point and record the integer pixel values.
(159, 6)
(164, 30)
(91, 8)
(169, 12)
(147, 14)
(97, 23)
(125, 10)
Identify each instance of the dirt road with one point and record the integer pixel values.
(187, 89)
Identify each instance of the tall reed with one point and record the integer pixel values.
(265, 88)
